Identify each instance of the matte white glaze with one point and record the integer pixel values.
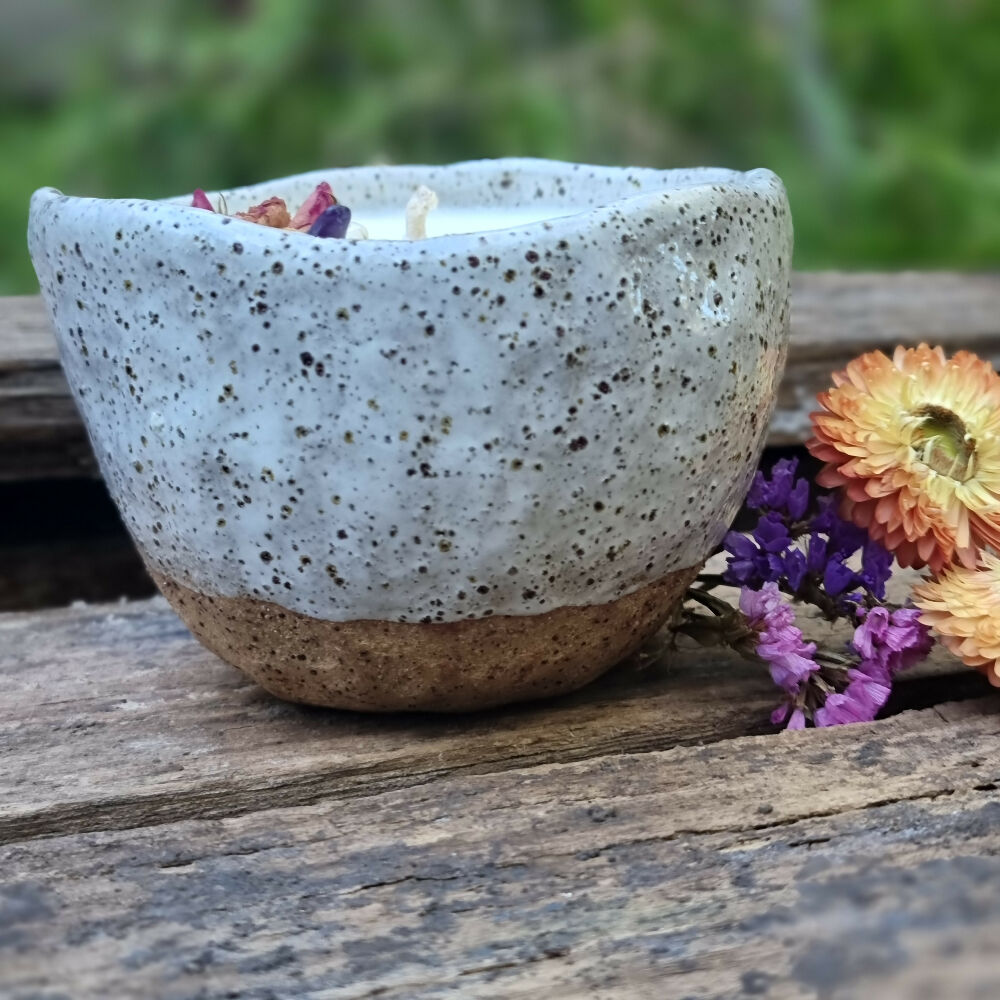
(496, 423)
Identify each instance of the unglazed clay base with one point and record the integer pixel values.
(450, 667)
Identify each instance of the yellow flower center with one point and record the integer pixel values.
(943, 443)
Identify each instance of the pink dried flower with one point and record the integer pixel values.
(200, 200)
(313, 207)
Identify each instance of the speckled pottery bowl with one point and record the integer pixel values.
(441, 474)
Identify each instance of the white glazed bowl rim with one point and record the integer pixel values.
(654, 191)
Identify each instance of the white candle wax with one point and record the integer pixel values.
(444, 221)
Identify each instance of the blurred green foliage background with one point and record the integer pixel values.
(882, 116)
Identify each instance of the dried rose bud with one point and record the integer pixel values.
(272, 212)
(313, 207)
(333, 222)
(200, 200)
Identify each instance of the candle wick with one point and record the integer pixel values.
(417, 209)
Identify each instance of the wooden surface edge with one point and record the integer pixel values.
(115, 717)
(808, 863)
(172, 831)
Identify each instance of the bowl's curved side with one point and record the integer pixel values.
(485, 425)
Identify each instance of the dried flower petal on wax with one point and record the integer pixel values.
(272, 212)
(200, 200)
(313, 207)
(333, 221)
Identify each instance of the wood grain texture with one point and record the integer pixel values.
(41, 435)
(168, 830)
(122, 719)
(827, 864)
(834, 317)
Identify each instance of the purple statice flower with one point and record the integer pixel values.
(758, 559)
(860, 701)
(876, 567)
(889, 642)
(868, 692)
(886, 643)
(796, 569)
(844, 537)
(781, 492)
(844, 707)
(796, 720)
(816, 555)
(779, 642)
(838, 578)
(826, 556)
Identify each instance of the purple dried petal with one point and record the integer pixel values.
(797, 721)
(747, 565)
(333, 222)
(816, 559)
(837, 577)
(795, 568)
(845, 538)
(771, 533)
(781, 492)
(798, 500)
(876, 567)
(870, 693)
(841, 709)
(888, 643)
(757, 497)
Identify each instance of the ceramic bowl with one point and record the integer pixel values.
(441, 474)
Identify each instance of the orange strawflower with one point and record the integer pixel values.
(963, 606)
(913, 444)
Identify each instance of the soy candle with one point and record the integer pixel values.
(439, 473)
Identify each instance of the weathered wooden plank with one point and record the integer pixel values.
(114, 716)
(41, 435)
(64, 570)
(834, 316)
(855, 862)
(26, 339)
